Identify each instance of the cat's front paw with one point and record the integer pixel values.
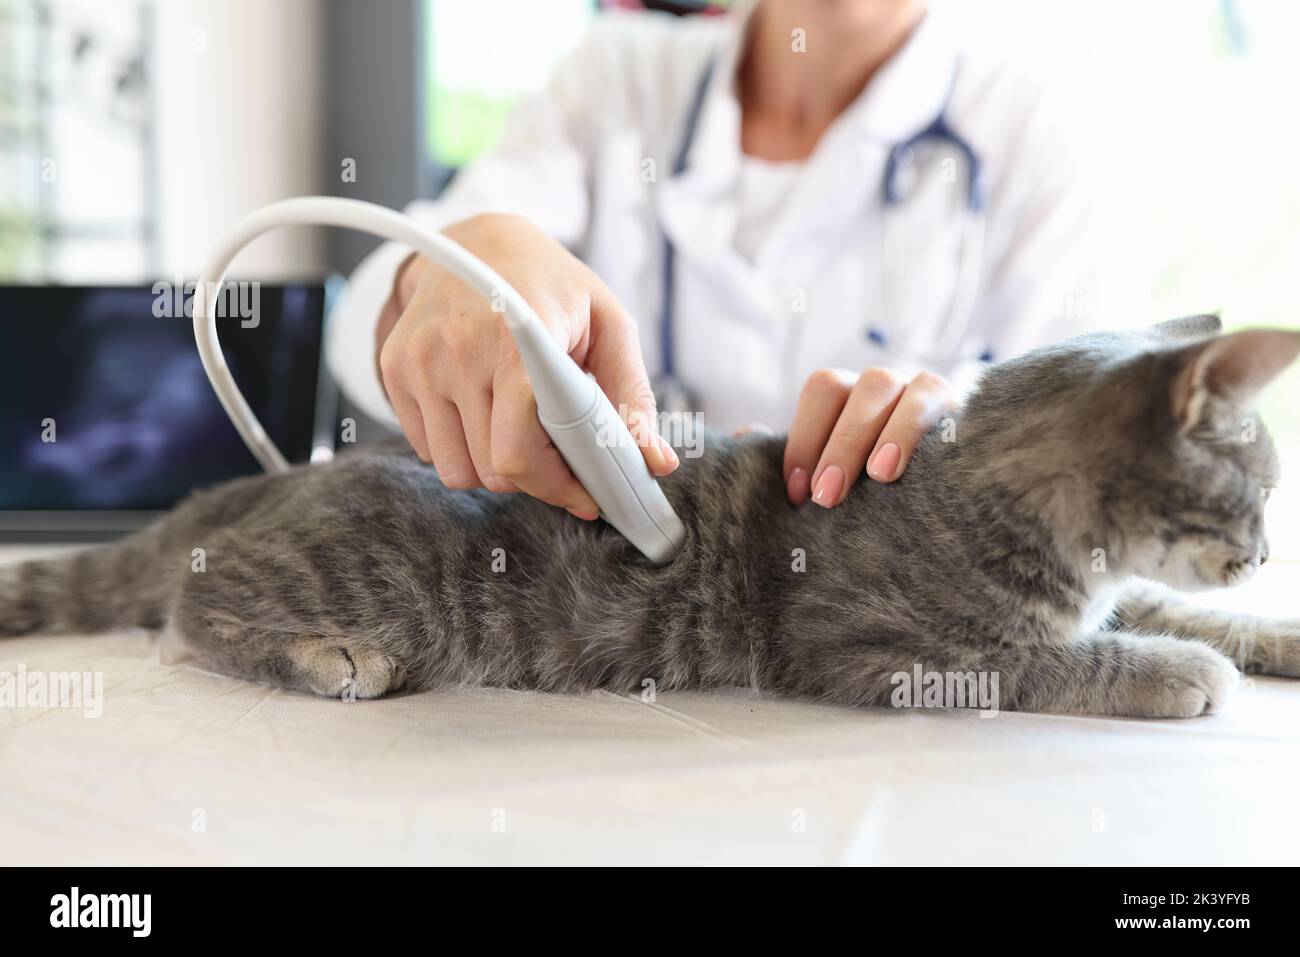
(1270, 647)
(1184, 679)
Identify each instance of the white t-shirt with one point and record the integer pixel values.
(761, 193)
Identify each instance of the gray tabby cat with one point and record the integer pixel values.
(1015, 550)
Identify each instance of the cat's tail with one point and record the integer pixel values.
(117, 586)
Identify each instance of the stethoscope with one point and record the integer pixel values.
(672, 393)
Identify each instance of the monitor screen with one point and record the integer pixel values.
(104, 405)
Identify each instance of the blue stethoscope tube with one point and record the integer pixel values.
(672, 393)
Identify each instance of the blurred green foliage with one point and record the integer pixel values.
(17, 239)
(461, 124)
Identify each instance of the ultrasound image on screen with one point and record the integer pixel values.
(122, 395)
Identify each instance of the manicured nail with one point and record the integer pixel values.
(654, 457)
(671, 460)
(796, 486)
(829, 486)
(884, 463)
(585, 516)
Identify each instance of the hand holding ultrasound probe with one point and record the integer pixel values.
(583, 425)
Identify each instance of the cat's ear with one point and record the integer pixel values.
(1188, 327)
(1228, 372)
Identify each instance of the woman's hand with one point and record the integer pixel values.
(458, 384)
(845, 422)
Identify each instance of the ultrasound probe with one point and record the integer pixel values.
(574, 411)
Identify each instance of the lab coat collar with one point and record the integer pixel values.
(903, 98)
(697, 207)
(910, 90)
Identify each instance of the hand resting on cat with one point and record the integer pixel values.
(1019, 543)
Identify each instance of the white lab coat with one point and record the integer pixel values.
(590, 159)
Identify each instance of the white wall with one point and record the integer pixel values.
(240, 123)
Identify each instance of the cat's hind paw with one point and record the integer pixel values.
(337, 672)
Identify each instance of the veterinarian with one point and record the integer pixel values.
(811, 215)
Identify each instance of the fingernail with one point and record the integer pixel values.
(796, 486)
(585, 516)
(667, 455)
(829, 486)
(654, 457)
(884, 463)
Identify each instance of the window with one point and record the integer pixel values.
(76, 132)
(481, 56)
